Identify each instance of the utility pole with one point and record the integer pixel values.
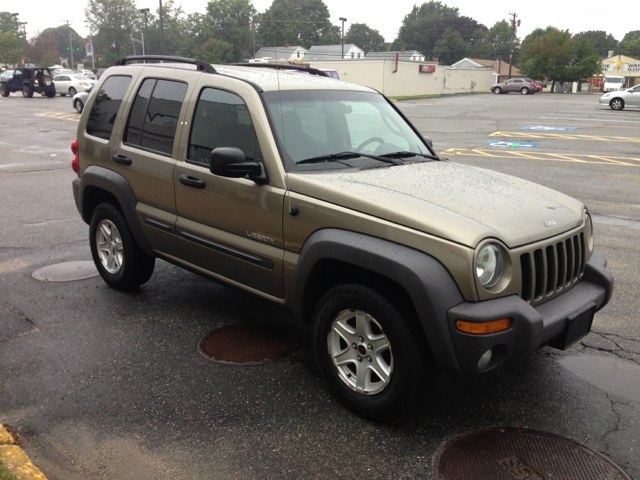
(161, 29)
(146, 29)
(253, 29)
(342, 19)
(70, 43)
(513, 34)
(499, 66)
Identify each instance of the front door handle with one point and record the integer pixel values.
(121, 159)
(190, 181)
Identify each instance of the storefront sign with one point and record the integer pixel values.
(427, 68)
(631, 67)
(607, 67)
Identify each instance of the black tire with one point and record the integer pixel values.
(616, 104)
(410, 369)
(51, 94)
(63, 94)
(5, 90)
(72, 91)
(524, 91)
(78, 105)
(135, 267)
(27, 91)
(497, 90)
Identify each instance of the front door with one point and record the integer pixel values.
(231, 227)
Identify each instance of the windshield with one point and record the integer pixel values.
(614, 80)
(323, 123)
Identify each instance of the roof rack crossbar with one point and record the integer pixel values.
(202, 66)
(277, 66)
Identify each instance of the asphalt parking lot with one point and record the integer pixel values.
(104, 384)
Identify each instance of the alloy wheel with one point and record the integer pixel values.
(109, 246)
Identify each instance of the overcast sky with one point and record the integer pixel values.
(386, 17)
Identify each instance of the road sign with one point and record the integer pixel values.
(541, 127)
(503, 144)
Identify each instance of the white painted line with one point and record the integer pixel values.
(28, 164)
(589, 119)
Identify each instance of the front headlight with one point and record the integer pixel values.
(588, 233)
(489, 265)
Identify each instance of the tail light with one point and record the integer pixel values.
(75, 163)
(84, 83)
(532, 84)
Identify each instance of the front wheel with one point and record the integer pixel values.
(369, 351)
(78, 105)
(118, 258)
(5, 90)
(497, 90)
(27, 91)
(72, 91)
(616, 104)
(524, 91)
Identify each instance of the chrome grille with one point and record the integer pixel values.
(552, 268)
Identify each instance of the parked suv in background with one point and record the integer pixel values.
(525, 86)
(319, 196)
(29, 80)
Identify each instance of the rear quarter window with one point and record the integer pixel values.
(106, 105)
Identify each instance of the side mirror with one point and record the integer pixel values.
(428, 140)
(231, 162)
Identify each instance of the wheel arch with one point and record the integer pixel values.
(414, 280)
(98, 185)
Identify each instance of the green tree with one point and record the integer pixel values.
(174, 22)
(365, 37)
(530, 39)
(500, 38)
(216, 51)
(421, 27)
(9, 52)
(7, 23)
(112, 22)
(195, 34)
(549, 58)
(602, 41)
(230, 21)
(481, 47)
(451, 47)
(585, 62)
(296, 22)
(630, 48)
(633, 35)
(56, 39)
(467, 27)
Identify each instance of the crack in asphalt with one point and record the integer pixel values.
(11, 307)
(614, 351)
(616, 425)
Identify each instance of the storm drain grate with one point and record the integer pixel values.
(247, 344)
(66, 272)
(516, 453)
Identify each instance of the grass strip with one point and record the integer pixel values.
(6, 474)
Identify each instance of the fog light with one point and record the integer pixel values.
(484, 360)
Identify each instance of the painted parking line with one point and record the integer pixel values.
(554, 157)
(565, 136)
(73, 117)
(587, 119)
(503, 144)
(547, 128)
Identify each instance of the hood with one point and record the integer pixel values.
(453, 201)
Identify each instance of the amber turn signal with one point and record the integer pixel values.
(480, 328)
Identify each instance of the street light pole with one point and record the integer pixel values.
(146, 29)
(161, 29)
(342, 19)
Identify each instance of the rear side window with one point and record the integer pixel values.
(106, 105)
(221, 119)
(154, 115)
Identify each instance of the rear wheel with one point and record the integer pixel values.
(27, 91)
(72, 91)
(524, 91)
(369, 351)
(51, 94)
(497, 90)
(5, 90)
(616, 104)
(118, 258)
(78, 105)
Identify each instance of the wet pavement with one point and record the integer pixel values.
(105, 384)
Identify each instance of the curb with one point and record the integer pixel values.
(15, 460)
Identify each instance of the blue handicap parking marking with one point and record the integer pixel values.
(542, 127)
(512, 144)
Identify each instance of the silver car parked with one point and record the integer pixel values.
(523, 85)
(623, 98)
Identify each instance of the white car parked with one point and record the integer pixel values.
(623, 98)
(87, 73)
(72, 84)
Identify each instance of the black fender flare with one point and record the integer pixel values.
(119, 187)
(428, 283)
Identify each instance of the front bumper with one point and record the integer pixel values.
(532, 327)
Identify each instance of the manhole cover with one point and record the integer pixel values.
(66, 272)
(247, 344)
(515, 453)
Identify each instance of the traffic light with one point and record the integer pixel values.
(67, 48)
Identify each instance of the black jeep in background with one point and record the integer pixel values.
(29, 80)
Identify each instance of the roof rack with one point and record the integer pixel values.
(202, 66)
(277, 66)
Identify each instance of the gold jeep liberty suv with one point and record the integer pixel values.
(319, 195)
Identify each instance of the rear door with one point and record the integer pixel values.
(231, 227)
(62, 84)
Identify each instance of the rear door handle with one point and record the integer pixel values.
(190, 181)
(121, 159)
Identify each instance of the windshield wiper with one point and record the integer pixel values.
(348, 155)
(406, 154)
